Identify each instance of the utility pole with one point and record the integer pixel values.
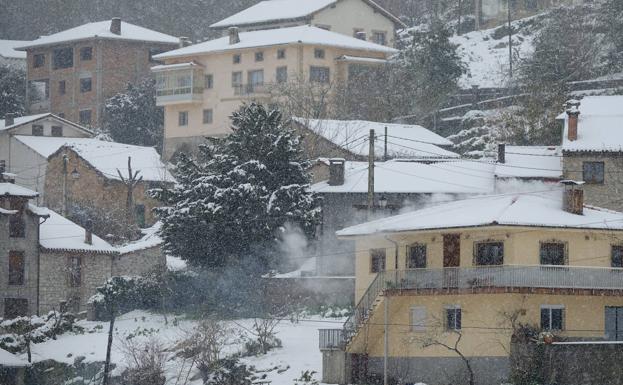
(385, 152)
(371, 173)
(510, 40)
(64, 203)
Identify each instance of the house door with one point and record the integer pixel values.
(614, 323)
(451, 250)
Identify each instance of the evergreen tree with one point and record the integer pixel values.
(231, 204)
(12, 90)
(612, 20)
(133, 117)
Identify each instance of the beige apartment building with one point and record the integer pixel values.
(71, 73)
(201, 85)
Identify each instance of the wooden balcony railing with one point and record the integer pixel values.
(331, 339)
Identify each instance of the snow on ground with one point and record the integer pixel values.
(299, 352)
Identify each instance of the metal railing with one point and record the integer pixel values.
(504, 276)
(331, 339)
(249, 89)
(179, 91)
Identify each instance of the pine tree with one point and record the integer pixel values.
(133, 117)
(232, 202)
(612, 20)
(12, 90)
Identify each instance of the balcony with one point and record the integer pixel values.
(250, 89)
(179, 83)
(331, 339)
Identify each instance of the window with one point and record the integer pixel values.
(489, 253)
(57, 131)
(319, 74)
(37, 130)
(39, 90)
(17, 226)
(617, 256)
(282, 74)
(236, 79)
(614, 323)
(16, 268)
(85, 117)
(281, 53)
(319, 53)
(379, 38)
(15, 307)
(359, 33)
(453, 318)
(75, 271)
(553, 253)
(236, 59)
(377, 260)
(209, 81)
(256, 80)
(593, 172)
(63, 58)
(552, 317)
(416, 256)
(62, 87)
(86, 53)
(38, 60)
(61, 115)
(208, 116)
(259, 56)
(182, 118)
(418, 318)
(85, 85)
(139, 214)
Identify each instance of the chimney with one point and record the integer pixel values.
(361, 35)
(501, 153)
(115, 25)
(336, 171)
(88, 232)
(573, 111)
(9, 119)
(573, 197)
(184, 41)
(234, 37)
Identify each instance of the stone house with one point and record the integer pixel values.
(71, 73)
(464, 273)
(29, 165)
(592, 148)
(86, 175)
(9, 56)
(202, 84)
(495, 12)
(362, 19)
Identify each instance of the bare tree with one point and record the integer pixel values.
(453, 347)
(146, 361)
(130, 182)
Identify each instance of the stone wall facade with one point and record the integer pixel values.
(139, 262)
(606, 195)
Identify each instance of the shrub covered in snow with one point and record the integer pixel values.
(17, 333)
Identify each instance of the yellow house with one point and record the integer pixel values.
(466, 273)
(201, 85)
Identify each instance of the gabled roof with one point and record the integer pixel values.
(150, 239)
(274, 11)
(59, 233)
(20, 121)
(101, 30)
(396, 176)
(522, 209)
(7, 49)
(531, 162)
(600, 125)
(105, 157)
(404, 140)
(304, 34)
(11, 189)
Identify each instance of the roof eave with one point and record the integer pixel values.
(70, 41)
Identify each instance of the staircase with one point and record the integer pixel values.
(365, 307)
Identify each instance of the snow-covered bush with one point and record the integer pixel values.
(228, 371)
(127, 293)
(17, 333)
(306, 378)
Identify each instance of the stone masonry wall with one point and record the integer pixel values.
(139, 262)
(607, 195)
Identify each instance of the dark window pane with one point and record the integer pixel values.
(416, 258)
(453, 319)
(489, 253)
(557, 319)
(545, 324)
(377, 260)
(593, 172)
(319, 74)
(85, 85)
(63, 58)
(62, 87)
(86, 53)
(17, 226)
(16, 268)
(38, 60)
(85, 117)
(617, 256)
(57, 131)
(75, 271)
(37, 130)
(552, 254)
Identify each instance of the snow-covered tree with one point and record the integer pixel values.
(133, 117)
(612, 20)
(12, 90)
(231, 204)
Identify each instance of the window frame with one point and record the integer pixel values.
(56, 60)
(62, 87)
(17, 226)
(551, 242)
(457, 317)
(74, 277)
(82, 115)
(613, 259)
(281, 53)
(315, 79)
(379, 33)
(259, 56)
(494, 261)
(236, 58)
(550, 309)
(37, 130)
(21, 265)
(377, 259)
(182, 118)
(284, 71)
(208, 112)
(83, 53)
(57, 131)
(409, 256)
(38, 60)
(83, 85)
(234, 76)
(319, 53)
(589, 167)
(209, 81)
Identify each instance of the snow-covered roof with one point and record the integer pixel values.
(304, 34)
(531, 162)
(10, 360)
(404, 140)
(397, 176)
(149, 239)
(7, 49)
(59, 233)
(21, 120)
(15, 190)
(600, 125)
(534, 210)
(272, 11)
(101, 30)
(106, 157)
